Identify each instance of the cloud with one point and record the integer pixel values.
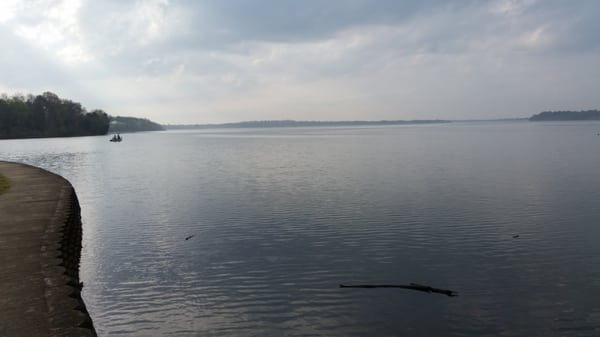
(279, 21)
(23, 65)
(212, 61)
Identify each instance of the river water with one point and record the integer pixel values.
(505, 213)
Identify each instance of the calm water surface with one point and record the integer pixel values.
(280, 217)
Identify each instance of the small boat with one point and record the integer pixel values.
(116, 138)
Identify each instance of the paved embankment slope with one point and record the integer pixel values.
(40, 247)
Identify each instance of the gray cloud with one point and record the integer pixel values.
(133, 35)
(211, 61)
(23, 66)
(285, 21)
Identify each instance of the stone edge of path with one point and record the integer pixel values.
(60, 256)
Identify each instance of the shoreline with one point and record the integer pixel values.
(40, 242)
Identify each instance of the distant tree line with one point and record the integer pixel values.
(566, 115)
(121, 124)
(47, 115)
(292, 123)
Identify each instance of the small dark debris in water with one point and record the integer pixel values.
(189, 237)
(412, 286)
(515, 236)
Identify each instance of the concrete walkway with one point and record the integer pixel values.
(40, 246)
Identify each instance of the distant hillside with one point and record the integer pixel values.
(121, 124)
(292, 123)
(587, 115)
(48, 115)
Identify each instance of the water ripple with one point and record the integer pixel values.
(505, 214)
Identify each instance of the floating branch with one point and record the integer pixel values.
(413, 286)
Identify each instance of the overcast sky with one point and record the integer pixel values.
(212, 61)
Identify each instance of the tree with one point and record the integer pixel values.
(48, 115)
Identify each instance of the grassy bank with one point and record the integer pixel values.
(4, 184)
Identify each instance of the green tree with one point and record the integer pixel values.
(48, 115)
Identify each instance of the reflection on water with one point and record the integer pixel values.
(280, 217)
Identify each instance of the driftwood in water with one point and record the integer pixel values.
(413, 286)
